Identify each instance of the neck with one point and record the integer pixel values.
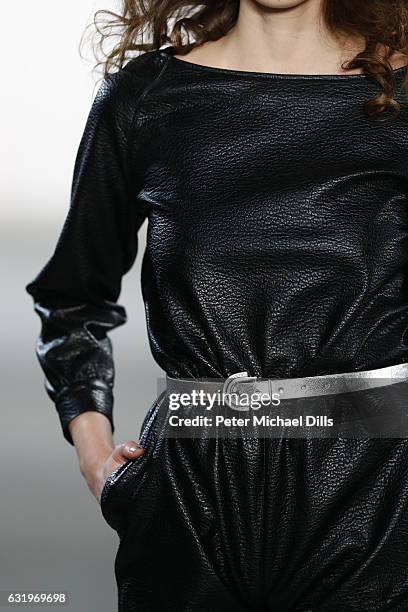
(293, 40)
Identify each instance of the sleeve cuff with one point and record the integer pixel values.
(72, 402)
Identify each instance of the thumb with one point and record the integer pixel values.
(127, 450)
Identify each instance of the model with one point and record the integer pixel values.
(266, 142)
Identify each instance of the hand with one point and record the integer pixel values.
(97, 474)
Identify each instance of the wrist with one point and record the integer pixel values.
(92, 436)
(91, 463)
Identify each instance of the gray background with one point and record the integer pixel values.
(53, 536)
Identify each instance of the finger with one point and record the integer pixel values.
(131, 449)
(127, 450)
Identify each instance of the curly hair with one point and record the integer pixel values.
(146, 25)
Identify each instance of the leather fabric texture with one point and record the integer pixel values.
(277, 244)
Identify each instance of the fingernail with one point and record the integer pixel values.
(133, 449)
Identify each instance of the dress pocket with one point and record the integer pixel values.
(114, 477)
(124, 484)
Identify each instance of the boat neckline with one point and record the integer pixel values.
(169, 53)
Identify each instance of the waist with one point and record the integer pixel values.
(288, 388)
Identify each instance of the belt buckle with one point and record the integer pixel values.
(231, 383)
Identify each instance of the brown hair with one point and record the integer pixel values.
(145, 25)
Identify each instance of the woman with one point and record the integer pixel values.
(266, 141)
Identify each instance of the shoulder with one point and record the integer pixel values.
(146, 66)
(120, 93)
(137, 76)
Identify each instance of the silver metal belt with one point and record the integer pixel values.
(288, 388)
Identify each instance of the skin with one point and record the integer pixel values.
(291, 37)
(281, 36)
(97, 454)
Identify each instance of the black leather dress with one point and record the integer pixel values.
(277, 244)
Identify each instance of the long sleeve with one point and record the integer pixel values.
(76, 293)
